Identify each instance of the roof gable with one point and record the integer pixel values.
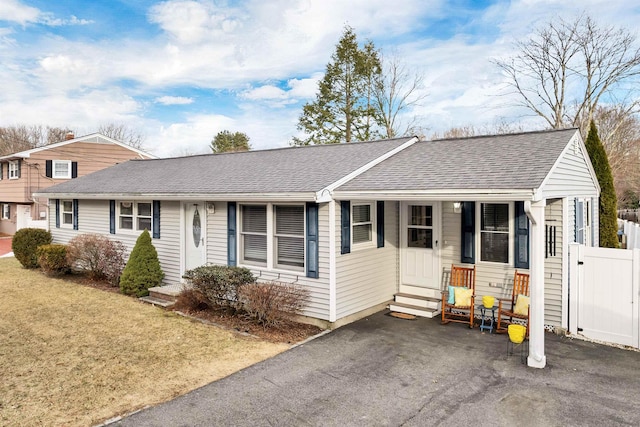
(95, 138)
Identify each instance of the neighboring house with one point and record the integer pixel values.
(358, 223)
(30, 171)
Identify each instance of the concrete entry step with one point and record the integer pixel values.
(168, 293)
(418, 300)
(413, 309)
(157, 301)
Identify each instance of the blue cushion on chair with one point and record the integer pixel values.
(452, 295)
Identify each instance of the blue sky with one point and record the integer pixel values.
(180, 71)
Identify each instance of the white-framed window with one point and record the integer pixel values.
(14, 169)
(66, 213)
(135, 216)
(61, 169)
(420, 226)
(253, 234)
(272, 236)
(362, 220)
(6, 211)
(289, 236)
(495, 237)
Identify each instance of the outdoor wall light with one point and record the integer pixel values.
(457, 207)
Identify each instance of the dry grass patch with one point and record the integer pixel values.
(73, 355)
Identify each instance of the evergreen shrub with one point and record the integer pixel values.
(219, 283)
(53, 259)
(25, 242)
(143, 269)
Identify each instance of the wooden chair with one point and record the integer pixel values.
(506, 307)
(460, 277)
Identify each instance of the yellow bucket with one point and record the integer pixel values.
(488, 301)
(516, 333)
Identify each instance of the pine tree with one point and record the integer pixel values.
(344, 107)
(225, 142)
(608, 200)
(143, 269)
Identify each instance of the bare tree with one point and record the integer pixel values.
(397, 91)
(621, 140)
(123, 133)
(500, 127)
(565, 69)
(22, 137)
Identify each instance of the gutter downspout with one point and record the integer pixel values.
(535, 213)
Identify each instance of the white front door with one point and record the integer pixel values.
(420, 234)
(194, 235)
(23, 216)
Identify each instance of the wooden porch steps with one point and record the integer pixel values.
(418, 305)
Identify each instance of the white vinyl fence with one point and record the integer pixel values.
(631, 232)
(603, 294)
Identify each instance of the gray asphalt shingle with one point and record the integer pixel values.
(285, 170)
(516, 161)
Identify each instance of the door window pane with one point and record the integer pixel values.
(421, 215)
(420, 238)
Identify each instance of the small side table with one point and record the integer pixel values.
(487, 321)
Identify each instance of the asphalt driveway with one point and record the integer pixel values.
(383, 371)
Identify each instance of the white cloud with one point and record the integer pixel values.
(14, 11)
(174, 100)
(51, 20)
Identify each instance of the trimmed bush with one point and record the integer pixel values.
(98, 256)
(143, 269)
(219, 283)
(25, 242)
(270, 303)
(53, 259)
(191, 300)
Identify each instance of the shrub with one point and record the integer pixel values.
(98, 256)
(191, 300)
(53, 259)
(272, 302)
(25, 242)
(143, 269)
(219, 283)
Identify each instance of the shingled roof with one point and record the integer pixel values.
(277, 171)
(512, 161)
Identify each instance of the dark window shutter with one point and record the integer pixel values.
(1, 169)
(57, 213)
(9, 211)
(312, 255)
(75, 214)
(48, 168)
(112, 216)
(380, 222)
(19, 167)
(468, 248)
(345, 228)
(231, 234)
(74, 169)
(156, 219)
(579, 222)
(522, 237)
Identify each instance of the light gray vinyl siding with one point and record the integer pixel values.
(595, 221)
(318, 306)
(553, 267)
(93, 217)
(497, 279)
(367, 277)
(571, 175)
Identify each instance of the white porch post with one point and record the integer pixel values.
(535, 212)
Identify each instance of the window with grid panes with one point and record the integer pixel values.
(361, 223)
(494, 232)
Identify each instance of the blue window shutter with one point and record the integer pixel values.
(380, 222)
(579, 222)
(74, 169)
(468, 248)
(345, 227)
(57, 213)
(522, 237)
(312, 255)
(156, 219)
(48, 168)
(112, 216)
(231, 234)
(75, 214)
